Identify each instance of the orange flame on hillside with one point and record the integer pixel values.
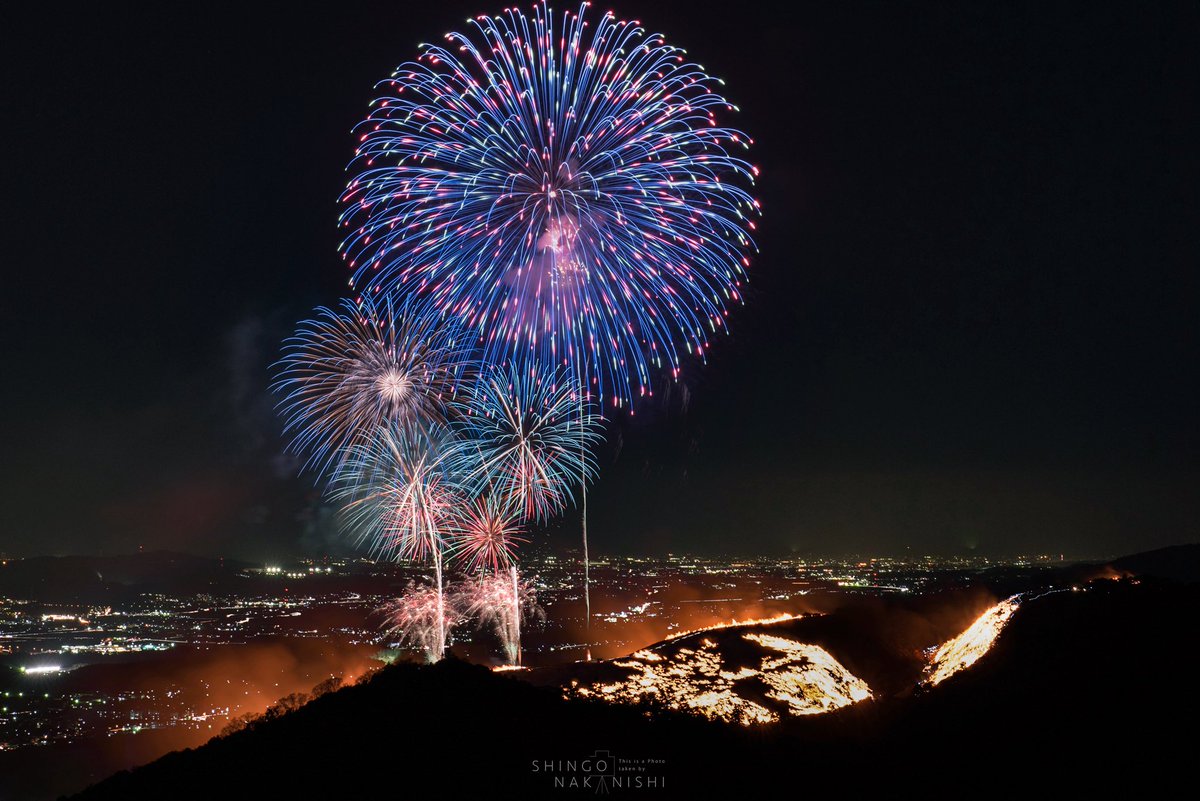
(800, 678)
(780, 618)
(967, 648)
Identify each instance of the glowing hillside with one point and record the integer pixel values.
(782, 677)
(966, 649)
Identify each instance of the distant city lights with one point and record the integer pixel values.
(275, 570)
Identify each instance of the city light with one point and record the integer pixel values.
(33, 669)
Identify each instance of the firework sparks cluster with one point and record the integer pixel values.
(543, 215)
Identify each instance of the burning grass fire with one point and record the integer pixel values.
(755, 678)
(966, 649)
(780, 618)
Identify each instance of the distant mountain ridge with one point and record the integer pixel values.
(1175, 562)
(95, 578)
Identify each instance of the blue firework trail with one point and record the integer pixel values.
(396, 494)
(348, 371)
(521, 436)
(564, 189)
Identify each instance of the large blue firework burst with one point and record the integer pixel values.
(563, 188)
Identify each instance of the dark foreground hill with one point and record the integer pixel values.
(1176, 563)
(1084, 691)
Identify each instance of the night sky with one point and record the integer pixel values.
(972, 327)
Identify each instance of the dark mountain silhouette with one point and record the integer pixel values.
(1085, 691)
(104, 579)
(1177, 563)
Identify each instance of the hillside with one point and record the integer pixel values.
(1079, 682)
(1176, 563)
